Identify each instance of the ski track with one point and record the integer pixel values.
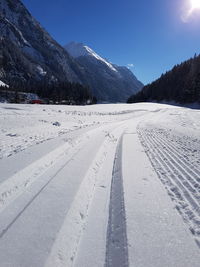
(78, 211)
(14, 186)
(65, 249)
(117, 245)
(20, 182)
(180, 177)
(4, 231)
(62, 188)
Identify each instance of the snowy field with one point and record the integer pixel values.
(103, 185)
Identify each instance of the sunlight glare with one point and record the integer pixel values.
(195, 4)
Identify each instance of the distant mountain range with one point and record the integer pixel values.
(180, 85)
(28, 53)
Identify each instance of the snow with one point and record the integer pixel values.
(79, 49)
(41, 71)
(151, 217)
(3, 84)
(120, 182)
(19, 37)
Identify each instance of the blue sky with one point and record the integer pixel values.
(152, 35)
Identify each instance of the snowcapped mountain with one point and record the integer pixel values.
(79, 49)
(28, 51)
(109, 82)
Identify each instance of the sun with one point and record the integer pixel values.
(190, 10)
(195, 4)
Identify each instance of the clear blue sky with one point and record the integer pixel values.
(151, 35)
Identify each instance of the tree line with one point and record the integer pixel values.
(55, 92)
(181, 84)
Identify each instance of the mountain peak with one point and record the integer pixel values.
(109, 82)
(31, 54)
(80, 50)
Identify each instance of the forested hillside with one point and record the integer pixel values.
(59, 92)
(181, 84)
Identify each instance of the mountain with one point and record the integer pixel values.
(28, 51)
(109, 82)
(181, 85)
(28, 54)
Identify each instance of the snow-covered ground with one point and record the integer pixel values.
(103, 185)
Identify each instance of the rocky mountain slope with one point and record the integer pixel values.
(28, 53)
(108, 81)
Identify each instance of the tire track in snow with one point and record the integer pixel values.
(66, 246)
(46, 214)
(175, 175)
(20, 182)
(8, 199)
(117, 245)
